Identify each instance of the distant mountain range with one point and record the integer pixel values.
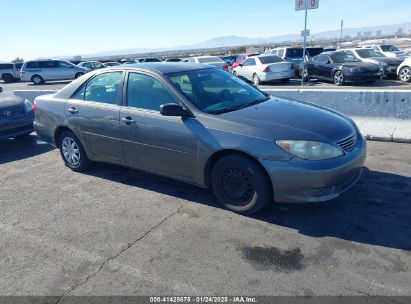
(229, 41)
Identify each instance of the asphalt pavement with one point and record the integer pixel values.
(117, 231)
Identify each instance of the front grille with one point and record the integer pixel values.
(347, 144)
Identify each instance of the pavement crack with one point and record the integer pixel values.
(105, 262)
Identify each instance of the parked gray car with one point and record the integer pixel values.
(40, 71)
(16, 116)
(202, 125)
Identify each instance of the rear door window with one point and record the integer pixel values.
(6, 66)
(104, 88)
(48, 64)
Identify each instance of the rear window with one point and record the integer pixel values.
(270, 59)
(314, 51)
(19, 65)
(6, 66)
(209, 59)
(294, 53)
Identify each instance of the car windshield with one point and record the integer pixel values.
(209, 59)
(344, 57)
(389, 48)
(215, 91)
(270, 59)
(367, 53)
(294, 53)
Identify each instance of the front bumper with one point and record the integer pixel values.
(302, 181)
(275, 76)
(13, 127)
(362, 77)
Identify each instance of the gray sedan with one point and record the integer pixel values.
(202, 125)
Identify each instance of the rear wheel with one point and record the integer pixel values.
(405, 74)
(240, 184)
(72, 152)
(338, 78)
(256, 79)
(37, 79)
(7, 78)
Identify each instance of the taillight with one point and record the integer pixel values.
(266, 70)
(35, 107)
(225, 67)
(22, 73)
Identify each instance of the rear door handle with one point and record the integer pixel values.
(128, 120)
(73, 110)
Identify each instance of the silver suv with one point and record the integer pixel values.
(40, 71)
(9, 72)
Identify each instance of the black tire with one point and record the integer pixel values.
(37, 79)
(79, 75)
(256, 80)
(7, 78)
(240, 184)
(405, 74)
(338, 78)
(83, 161)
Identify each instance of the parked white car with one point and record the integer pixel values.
(10, 72)
(388, 50)
(212, 60)
(404, 70)
(265, 68)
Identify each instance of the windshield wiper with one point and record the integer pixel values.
(239, 107)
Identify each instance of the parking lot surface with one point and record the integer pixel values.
(117, 231)
(385, 84)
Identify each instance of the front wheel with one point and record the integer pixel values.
(240, 184)
(72, 152)
(256, 80)
(405, 74)
(338, 78)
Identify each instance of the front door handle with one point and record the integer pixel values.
(73, 110)
(128, 120)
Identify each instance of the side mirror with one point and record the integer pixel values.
(172, 109)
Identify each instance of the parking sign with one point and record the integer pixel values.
(306, 4)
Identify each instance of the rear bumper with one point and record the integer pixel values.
(275, 76)
(15, 127)
(301, 181)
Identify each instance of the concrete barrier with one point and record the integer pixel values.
(380, 115)
(32, 94)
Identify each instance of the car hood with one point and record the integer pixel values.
(9, 100)
(286, 119)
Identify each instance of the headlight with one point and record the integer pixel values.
(28, 106)
(310, 150)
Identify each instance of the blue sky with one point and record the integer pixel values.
(43, 28)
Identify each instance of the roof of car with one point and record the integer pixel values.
(169, 67)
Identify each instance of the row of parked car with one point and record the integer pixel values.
(361, 64)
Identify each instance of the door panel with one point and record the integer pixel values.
(97, 126)
(162, 144)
